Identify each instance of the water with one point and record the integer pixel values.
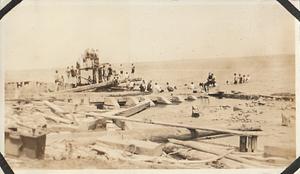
(267, 73)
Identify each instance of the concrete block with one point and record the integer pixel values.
(111, 103)
(132, 101)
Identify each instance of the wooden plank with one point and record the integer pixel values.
(54, 107)
(58, 119)
(133, 110)
(233, 132)
(191, 155)
(131, 145)
(204, 147)
(90, 87)
(197, 146)
(253, 143)
(127, 113)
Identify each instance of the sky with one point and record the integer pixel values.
(54, 33)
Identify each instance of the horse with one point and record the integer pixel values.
(206, 85)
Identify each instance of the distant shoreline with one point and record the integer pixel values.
(175, 60)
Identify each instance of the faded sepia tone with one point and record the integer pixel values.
(149, 84)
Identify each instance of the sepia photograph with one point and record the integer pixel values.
(149, 84)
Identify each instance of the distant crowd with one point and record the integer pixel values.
(106, 72)
(156, 88)
(239, 79)
(99, 73)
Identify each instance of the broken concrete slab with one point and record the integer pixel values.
(162, 100)
(132, 101)
(176, 99)
(191, 98)
(34, 146)
(13, 143)
(87, 124)
(111, 102)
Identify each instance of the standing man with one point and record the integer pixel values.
(110, 72)
(68, 72)
(132, 70)
(73, 77)
(78, 72)
(62, 81)
(105, 74)
(56, 80)
(247, 78)
(240, 79)
(235, 79)
(121, 71)
(100, 74)
(149, 86)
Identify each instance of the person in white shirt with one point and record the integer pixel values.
(126, 75)
(192, 86)
(157, 88)
(248, 78)
(131, 85)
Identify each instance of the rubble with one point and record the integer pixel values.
(84, 124)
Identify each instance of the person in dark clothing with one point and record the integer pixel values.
(149, 86)
(240, 79)
(110, 72)
(104, 73)
(143, 86)
(77, 65)
(235, 79)
(132, 69)
(121, 69)
(100, 75)
(210, 77)
(73, 72)
(244, 78)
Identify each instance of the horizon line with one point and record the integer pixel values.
(164, 60)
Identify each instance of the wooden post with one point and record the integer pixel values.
(253, 143)
(243, 143)
(249, 143)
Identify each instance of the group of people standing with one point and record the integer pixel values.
(70, 77)
(239, 79)
(156, 88)
(149, 86)
(102, 73)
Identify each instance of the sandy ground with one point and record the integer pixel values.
(268, 75)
